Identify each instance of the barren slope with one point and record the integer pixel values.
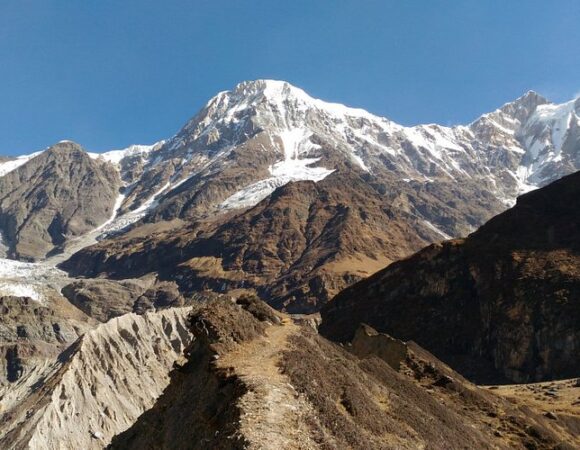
(296, 248)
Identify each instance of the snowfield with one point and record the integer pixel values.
(32, 280)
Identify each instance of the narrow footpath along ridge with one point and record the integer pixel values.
(254, 379)
(273, 412)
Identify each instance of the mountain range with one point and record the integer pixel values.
(290, 273)
(202, 209)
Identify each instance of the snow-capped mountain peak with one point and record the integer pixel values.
(246, 142)
(283, 94)
(268, 104)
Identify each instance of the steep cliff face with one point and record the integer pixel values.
(506, 297)
(255, 379)
(36, 323)
(98, 386)
(59, 194)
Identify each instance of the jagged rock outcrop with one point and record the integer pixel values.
(98, 386)
(367, 341)
(506, 297)
(104, 299)
(59, 194)
(254, 379)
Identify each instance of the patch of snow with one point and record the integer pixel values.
(360, 162)
(20, 290)
(10, 268)
(116, 156)
(253, 194)
(295, 142)
(546, 132)
(13, 164)
(436, 230)
(299, 169)
(558, 117)
(283, 172)
(118, 223)
(151, 202)
(32, 280)
(116, 208)
(3, 246)
(521, 176)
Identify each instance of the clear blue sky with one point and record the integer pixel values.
(110, 73)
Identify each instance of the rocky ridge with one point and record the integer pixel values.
(98, 386)
(32, 334)
(254, 379)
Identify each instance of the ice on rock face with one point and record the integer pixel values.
(20, 290)
(544, 137)
(22, 279)
(119, 222)
(282, 173)
(436, 230)
(558, 118)
(295, 143)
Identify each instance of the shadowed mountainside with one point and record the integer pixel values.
(507, 297)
